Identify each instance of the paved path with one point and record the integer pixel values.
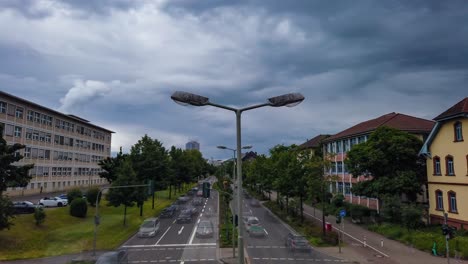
(374, 252)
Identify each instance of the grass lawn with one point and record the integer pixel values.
(63, 234)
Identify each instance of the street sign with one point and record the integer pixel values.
(342, 212)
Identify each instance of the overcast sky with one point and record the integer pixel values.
(116, 63)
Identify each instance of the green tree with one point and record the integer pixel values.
(39, 216)
(110, 166)
(74, 194)
(78, 208)
(91, 196)
(123, 196)
(390, 156)
(10, 176)
(411, 216)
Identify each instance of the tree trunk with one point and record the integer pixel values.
(153, 200)
(287, 204)
(301, 208)
(141, 209)
(170, 191)
(125, 215)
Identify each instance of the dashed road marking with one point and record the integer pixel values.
(162, 235)
(303, 259)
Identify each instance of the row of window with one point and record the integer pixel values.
(44, 154)
(341, 146)
(338, 167)
(60, 184)
(44, 119)
(63, 171)
(347, 187)
(452, 201)
(449, 166)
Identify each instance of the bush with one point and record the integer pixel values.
(338, 200)
(73, 194)
(39, 216)
(411, 216)
(91, 196)
(391, 209)
(78, 207)
(358, 212)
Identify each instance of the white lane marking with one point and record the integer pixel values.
(192, 236)
(362, 242)
(180, 231)
(198, 221)
(167, 230)
(265, 231)
(174, 221)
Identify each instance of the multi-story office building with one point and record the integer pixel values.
(64, 149)
(192, 145)
(336, 147)
(446, 154)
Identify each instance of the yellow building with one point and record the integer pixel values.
(447, 166)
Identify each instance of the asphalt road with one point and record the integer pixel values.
(177, 243)
(271, 248)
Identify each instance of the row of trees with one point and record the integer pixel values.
(389, 158)
(149, 161)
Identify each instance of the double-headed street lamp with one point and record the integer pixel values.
(234, 157)
(288, 100)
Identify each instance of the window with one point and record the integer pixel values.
(338, 147)
(9, 130)
(340, 187)
(19, 112)
(439, 200)
(11, 109)
(450, 170)
(340, 167)
(458, 132)
(37, 117)
(27, 152)
(30, 115)
(18, 131)
(29, 133)
(3, 107)
(436, 162)
(452, 196)
(347, 188)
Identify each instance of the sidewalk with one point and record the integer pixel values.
(64, 259)
(371, 247)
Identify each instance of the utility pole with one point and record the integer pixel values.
(447, 236)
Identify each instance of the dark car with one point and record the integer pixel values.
(168, 212)
(24, 207)
(193, 210)
(205, 229)
(197, 201)
(254, 203)
(185, 216)
(113, 257)
(296, 242)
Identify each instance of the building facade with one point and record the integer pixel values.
(192, 145)
(64, 149)
(446, 153)
(336, 147)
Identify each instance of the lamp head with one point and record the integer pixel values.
(289, 100)
(185, 98)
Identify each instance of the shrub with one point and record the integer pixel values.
(73, 194)
(391, 209)
(357, 212)
(338, 200)
(411, 216)
(91, 196)
(78, 207)
(39, 216)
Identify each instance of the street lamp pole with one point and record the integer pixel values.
(288, 100)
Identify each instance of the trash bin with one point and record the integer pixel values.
(328, 226)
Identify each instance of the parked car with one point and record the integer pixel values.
(149, 227)
(296, 242)
(168, 212)
(185, 216)
(24, 207)
(256, 231)
(197, 201)
(63, 196)
(205, 229)
(113, 257)
(53, 202)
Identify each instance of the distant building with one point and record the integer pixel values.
(249, 156)
(192, 145)
(446, 154)
(65, 149)
(336, 147)
(314, 145)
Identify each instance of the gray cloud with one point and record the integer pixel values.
(352, 61)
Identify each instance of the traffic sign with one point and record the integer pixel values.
(342, 212)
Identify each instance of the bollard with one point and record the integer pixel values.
(365, 242)
(381, 243)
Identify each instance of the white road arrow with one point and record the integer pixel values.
(180, 231)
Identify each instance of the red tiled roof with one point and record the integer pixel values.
(394, 120)
(458, 108)
(314, 142)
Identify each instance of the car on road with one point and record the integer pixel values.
(200, 193)
(193, 210)
(53, 202)
(205, 229)
(295, 242)
(113, 257)
(251, 221)
(185, 216)
(183, 199)
(168, 212)
(149, 227)
(254, 203)
(256, 231)
(24, 207)
(197, 201)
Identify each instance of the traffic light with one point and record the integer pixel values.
(206, 190)
(236, 220)
(338, 219)
(445, 230)
(451, 233)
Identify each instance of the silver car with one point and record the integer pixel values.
(205, 229)
(149, 228)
